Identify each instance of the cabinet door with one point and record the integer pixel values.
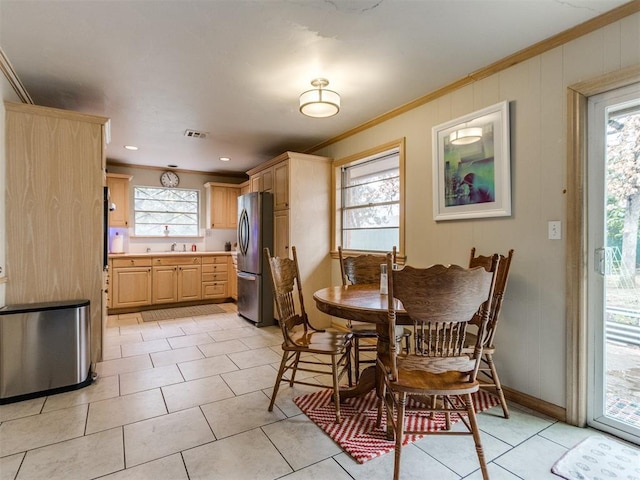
(232, 207)
(281, 186)
(267, 180)
(131, 287)
(256, 182)
(165, 284)
(119, 196)
(218, 199)
(189, 282)
(281, 234)
(233, 277)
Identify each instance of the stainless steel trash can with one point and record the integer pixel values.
(44, 349)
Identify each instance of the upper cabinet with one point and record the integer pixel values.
(119, 198)
(222, 205)
(245, 187)
(275, 180)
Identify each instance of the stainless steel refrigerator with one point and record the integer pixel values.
(255, 232)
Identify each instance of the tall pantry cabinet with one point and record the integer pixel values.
(55, 166)
(301, 186)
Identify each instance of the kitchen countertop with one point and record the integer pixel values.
(170, 254)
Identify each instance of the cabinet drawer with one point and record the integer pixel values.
(214, 259)
(131, 262)
(181, 260)
(214, 290)
(214, 268)
(214, 277)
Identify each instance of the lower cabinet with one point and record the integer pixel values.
(215, 271)
(189, 282)
(233, 276)
(141, 281)
(176, 279)
(165, 282)
(131, 282)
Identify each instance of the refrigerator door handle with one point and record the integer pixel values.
(247, 276)
(243, 231)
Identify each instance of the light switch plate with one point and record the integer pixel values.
(555, 230)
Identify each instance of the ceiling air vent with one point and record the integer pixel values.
(195, 134)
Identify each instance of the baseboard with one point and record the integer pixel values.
(540, 406)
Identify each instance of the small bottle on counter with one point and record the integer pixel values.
(227, 247)
(193, 247)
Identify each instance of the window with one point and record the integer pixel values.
(369, 197)
(158, 209)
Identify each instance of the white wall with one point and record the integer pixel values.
(208, 240)
(531, 338)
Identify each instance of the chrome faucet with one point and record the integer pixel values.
(173, 247)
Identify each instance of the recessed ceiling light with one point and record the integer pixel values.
(130, 147)
(224, 159)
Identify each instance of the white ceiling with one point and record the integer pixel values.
(235, 68)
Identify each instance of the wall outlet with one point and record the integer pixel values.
(555, 230)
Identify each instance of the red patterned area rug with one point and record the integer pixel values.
(358, 435)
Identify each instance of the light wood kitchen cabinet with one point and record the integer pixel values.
(262, 181)
(165, 282)
(281, 233)
(215, 276)
(53, 202)
(177, 279)
(245, 187)
(222, 205)
(302, 215)
(233, 276)
(119, 195)
(189, 283)
(131, 282)
(281, 186)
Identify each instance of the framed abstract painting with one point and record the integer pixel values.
(471, 165)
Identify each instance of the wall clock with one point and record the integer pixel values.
(169, 179)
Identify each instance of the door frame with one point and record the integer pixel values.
(576, 261)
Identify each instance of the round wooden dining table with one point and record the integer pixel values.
(362, 303)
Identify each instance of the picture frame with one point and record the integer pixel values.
(472, 165)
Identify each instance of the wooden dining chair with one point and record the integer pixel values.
(441, 301)
(489, 377)
(303, 346)
(365, 269)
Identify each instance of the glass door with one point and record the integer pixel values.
(613, 261)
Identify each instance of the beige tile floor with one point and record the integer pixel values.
(187, 399)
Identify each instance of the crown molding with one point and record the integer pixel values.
(14, 81)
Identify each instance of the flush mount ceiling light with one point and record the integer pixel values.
(130, 147)
(224, 159)
(465, 136)
(319, 102)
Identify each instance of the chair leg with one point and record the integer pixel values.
(476, 435)
(402, 401)
(294, 370)
(348, 365)
(496, 381)
(356, 357)
(336, 387)
(281, 370)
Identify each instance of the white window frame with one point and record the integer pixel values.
(338, 165)
(168, 222)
